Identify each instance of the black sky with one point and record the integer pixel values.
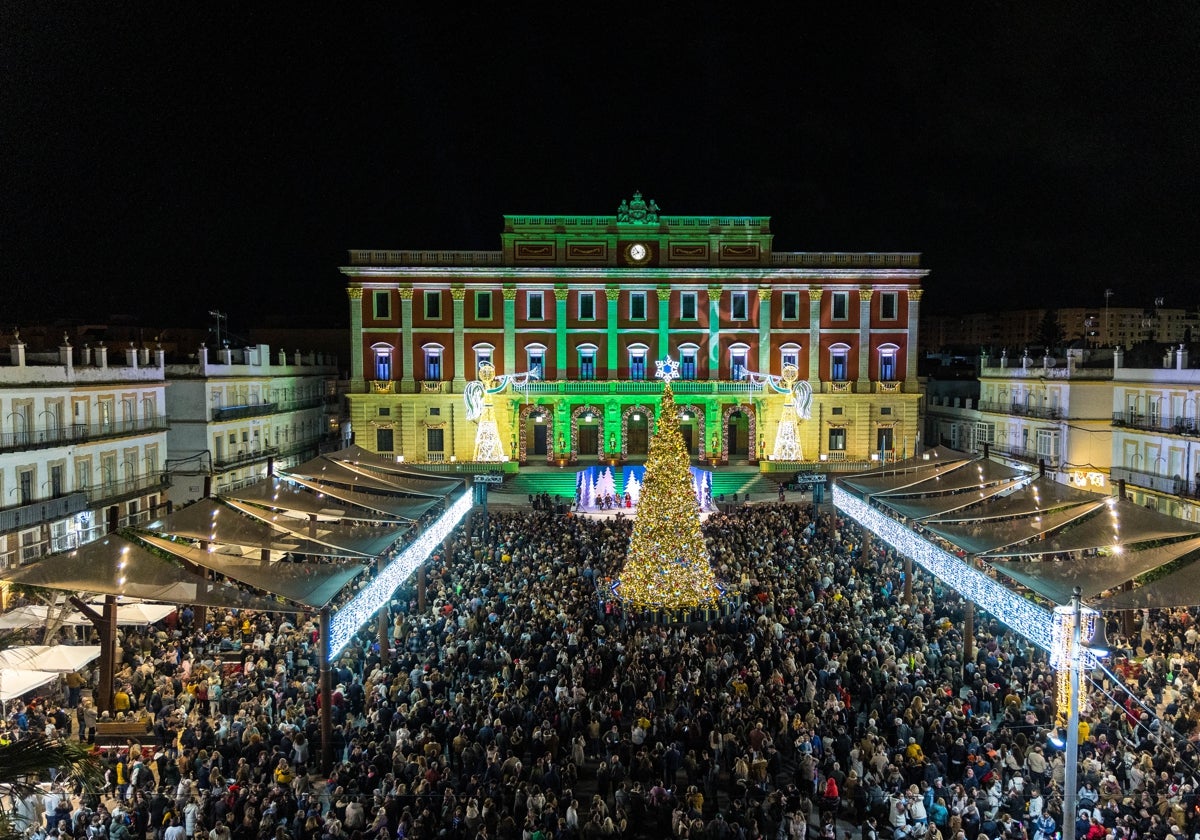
(214, 155)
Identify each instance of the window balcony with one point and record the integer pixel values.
(79, 433)
(1021, 453)
(110, 492)
(1155, 423)
(40, 512)
(231, 461)
(1021, 410)
(1173, 485)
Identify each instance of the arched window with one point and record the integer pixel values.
(789, 354)
(587, 361)
(887, 362)
(637, 361)
(739, 355)
(484, 353)
(688, 354)
(839, 362)
(433, 361)
(383, 360)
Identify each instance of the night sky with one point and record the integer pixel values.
(226, 156)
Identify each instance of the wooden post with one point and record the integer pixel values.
(326, 690)
(421, 589)
(106, 627)
(908, 577)
(968, 634)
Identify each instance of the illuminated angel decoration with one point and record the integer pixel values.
(477, 396)
(798, 406)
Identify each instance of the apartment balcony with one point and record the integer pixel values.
(1155, 423)
(1021, 453)
(31, 514)
(111, 492)
(1172, 485)
(242, 458)
(79, 433)
(1022, 410)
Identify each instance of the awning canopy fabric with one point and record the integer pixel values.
(370, 460)
(113, 565)
(309, 584)
(1056, 579)
(58, 658)
(278, 494)
(347, 540)
(904, 474)
(924, 507)
(211, 521)
(327, 471)
(1039, 496)
(1122, 523)
(399, 507)
(986, 536)
(15, 682)
(965, 475)
(1178, 589)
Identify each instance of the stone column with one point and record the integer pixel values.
(408, 384)
(664, 322)
(614, 298)
(863, 385)
(459, 294)
(357, 380)
(764, 330)
(560, 332)
(910, 356)
(814, 339)
(714, 333)
(510, 330)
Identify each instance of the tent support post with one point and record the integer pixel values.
(326, 690)
(968, 633)
(106, 628)
(908, 576)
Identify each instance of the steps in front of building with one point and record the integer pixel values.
(561, 482)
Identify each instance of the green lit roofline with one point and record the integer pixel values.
(523, 221)
(683, 276)
(830, 260)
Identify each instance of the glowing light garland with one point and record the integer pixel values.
(362, 608)
(1030, 620)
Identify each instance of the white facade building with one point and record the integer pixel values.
(82, 447)
(234, 413)
(1156, 434)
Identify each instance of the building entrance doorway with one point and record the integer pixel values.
(638, 432)
(738, 435)
(589, 440)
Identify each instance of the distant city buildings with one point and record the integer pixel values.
(1093, 327)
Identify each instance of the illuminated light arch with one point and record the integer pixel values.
(578, 412)
(534, 411)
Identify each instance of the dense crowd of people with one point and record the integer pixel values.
(523, 704)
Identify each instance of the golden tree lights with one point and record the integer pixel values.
(667, 565)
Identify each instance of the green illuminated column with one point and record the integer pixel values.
(664, 322)
(864, 342)
(764, 330)
(910, 355)
(560, 330)
(614, 298)
(814, 339)
(459, 294)
(510, 330)
(408, 384)
(357, 383)
(714, 333)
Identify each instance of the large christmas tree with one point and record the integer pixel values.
(667, 565)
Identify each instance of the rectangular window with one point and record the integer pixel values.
(737, 364)
(739, 307)
(385, 412)
(637, 306)
(888, 306)
(433, 305)
(837, 440)
(383, 366)
(435, 440)
(789, 357)
(887, 367)
(435, 412)
(587, 364)
(537, 362)
(687, 306)
(637, 366)
(1047, 444)
(533, 306)
(885, 409)
(837, 409)
(841, 306)
(383, 305)
(483, 306)
(791, 306)
(587, 306)
(838, 365)
(985, 433)
(383, 440)
(687, 364)
(884, 439)
(433, 365)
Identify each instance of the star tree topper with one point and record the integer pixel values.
(667, 370)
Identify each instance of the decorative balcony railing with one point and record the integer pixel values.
(1174, 485)
(228, 462)
(40, 512)
(1021, 453)
(79, 433)
(1155, 423)
(1022, 410)
(108, 492)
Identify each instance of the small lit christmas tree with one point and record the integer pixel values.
(667, 565)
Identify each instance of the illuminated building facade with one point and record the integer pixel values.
(590, 302)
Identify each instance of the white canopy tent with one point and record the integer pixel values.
(58, 658)
(17, 681)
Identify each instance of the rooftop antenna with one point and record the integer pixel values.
(219, 316)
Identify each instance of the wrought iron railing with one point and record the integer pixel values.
(1174, 485)
(1022, 410)
(78, 433)
(230, 461)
